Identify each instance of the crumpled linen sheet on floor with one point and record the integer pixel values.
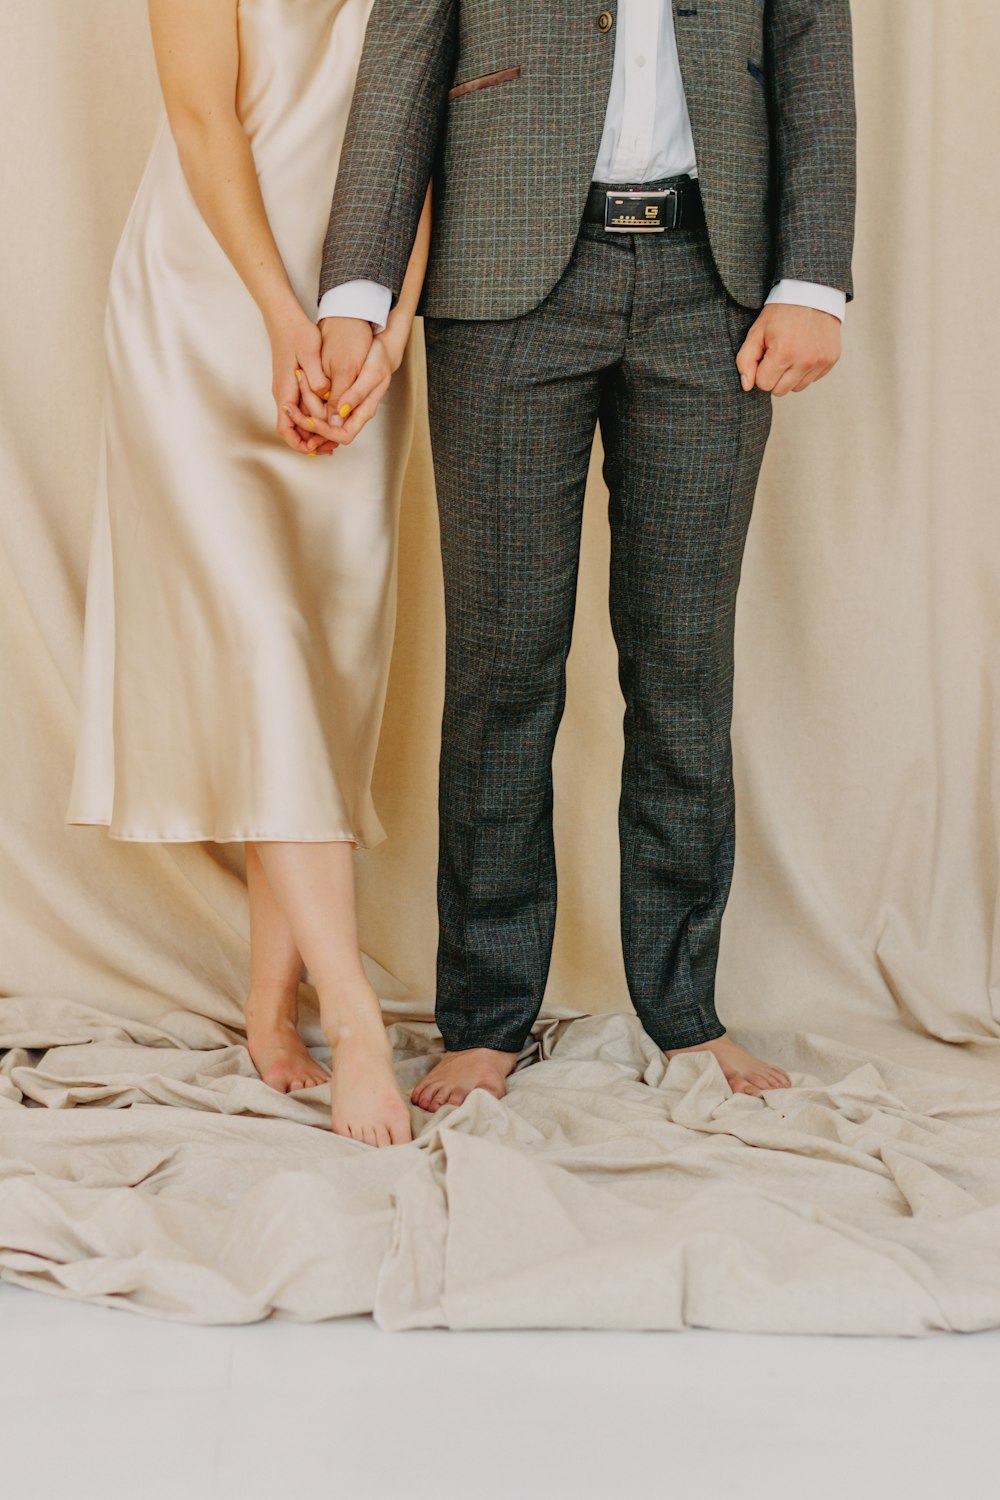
(606, 1191)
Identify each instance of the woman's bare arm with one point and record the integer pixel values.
(197, 56)
(397, 329)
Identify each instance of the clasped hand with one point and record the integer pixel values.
(328, 381)
(788, 348)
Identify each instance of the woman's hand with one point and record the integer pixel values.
(299, 385)
(357, 405)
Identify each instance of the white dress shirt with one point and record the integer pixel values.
(647, 136)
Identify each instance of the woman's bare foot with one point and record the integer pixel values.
(744, 1073)
(279, 1054)
(458, 1073)
(366, 1104)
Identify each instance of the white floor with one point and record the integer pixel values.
(100, 1403)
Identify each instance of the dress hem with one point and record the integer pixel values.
(222, 838)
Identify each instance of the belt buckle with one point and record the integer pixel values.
(636, 212)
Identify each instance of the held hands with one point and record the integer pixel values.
(338, 391)
(788, 348)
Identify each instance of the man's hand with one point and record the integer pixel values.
(788, 348)
(346, 345)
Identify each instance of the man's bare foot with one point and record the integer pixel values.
(744, 1073)
(458, 1073)
(279, 1054)
(366, 1104)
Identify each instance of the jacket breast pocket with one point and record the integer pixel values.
(484, 81)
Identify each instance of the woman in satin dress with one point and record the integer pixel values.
(241, 601)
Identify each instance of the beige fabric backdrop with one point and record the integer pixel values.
(865, 900)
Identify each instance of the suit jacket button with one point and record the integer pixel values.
(605, 21)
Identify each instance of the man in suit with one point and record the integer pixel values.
(643, 219)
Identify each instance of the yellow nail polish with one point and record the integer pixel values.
(310, 423)
(327, 396)
(298, 374)
(345, 411)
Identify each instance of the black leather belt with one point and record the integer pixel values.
(651, 208)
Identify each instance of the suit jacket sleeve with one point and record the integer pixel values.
(392, 137)
(810, 64)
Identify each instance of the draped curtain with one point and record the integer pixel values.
(866, 884)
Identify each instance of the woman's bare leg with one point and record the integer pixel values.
(313, 885)
(279, 1053)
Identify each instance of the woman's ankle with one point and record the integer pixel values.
(352, 1017)
(272, 1007)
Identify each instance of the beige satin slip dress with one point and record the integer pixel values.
(241, 600)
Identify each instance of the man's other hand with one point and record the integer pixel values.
(788, 348)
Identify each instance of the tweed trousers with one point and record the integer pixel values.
(640, 336)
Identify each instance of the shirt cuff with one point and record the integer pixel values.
(357, 299)
(810, 294)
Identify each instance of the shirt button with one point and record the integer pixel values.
(640, 61)
(605, 21)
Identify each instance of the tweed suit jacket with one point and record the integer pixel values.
(503, 103)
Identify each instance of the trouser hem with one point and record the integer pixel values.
(494, 1042)
(667, 1039)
